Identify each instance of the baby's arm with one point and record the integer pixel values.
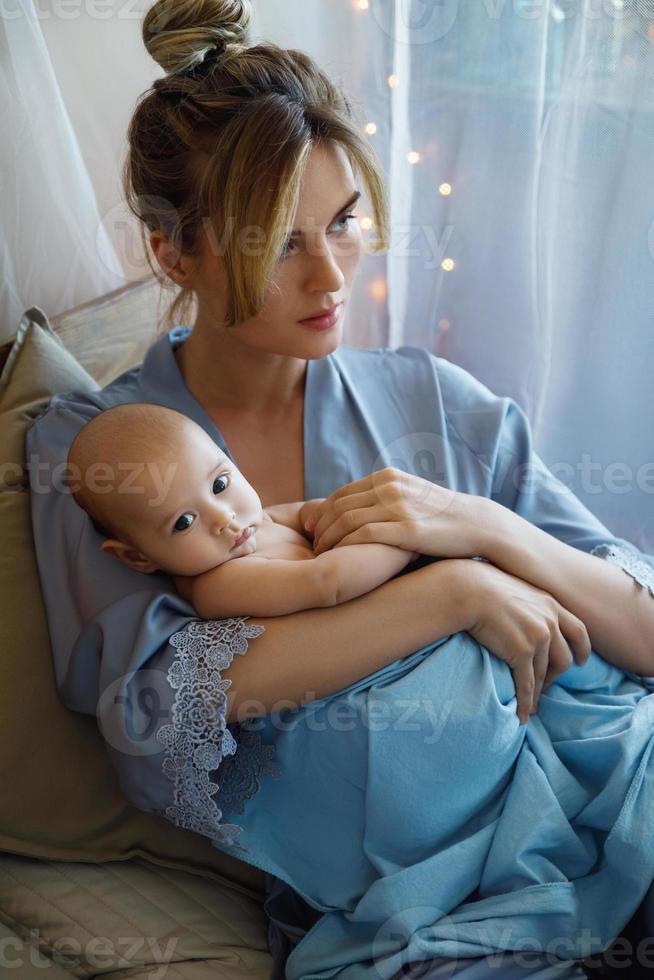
(360, 568)
(254, 586)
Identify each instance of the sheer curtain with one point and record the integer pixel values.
(54, 251)
(521, 148)
(517, 139)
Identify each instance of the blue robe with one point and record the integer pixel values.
(410, 808)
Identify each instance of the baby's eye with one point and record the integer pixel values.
(220, 484)
(184, 522)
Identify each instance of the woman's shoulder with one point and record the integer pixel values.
(59, 419)
(392, 361)
(430, 394)
(146, 382)
(413, 364)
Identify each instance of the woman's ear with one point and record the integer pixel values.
(128, 555)
(173, 262)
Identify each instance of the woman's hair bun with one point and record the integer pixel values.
(178, 33)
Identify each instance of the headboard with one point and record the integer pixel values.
(110, 334)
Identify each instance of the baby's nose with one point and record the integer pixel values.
(222, 519)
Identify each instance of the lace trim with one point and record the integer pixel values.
(241, 772)
(198, 739)
(629, 561)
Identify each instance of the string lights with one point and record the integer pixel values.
(378, 288)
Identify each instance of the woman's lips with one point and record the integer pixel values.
(324, 322)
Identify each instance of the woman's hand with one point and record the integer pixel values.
(393, 507)
(307, 511)
(526, 627)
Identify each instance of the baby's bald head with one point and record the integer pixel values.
(166, 496)
(107, 462)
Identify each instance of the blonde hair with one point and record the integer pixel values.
(228, 144)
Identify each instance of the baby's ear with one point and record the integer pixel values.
(128, 555)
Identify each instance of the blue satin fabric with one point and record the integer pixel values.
(400, 826)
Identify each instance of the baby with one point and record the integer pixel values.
(168, 499)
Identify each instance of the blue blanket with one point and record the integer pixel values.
(419, 815)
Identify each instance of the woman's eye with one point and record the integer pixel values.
(220, 484)
(348, 217)
(184, 522)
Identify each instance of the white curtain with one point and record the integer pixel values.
(54, 251)
(517, 138)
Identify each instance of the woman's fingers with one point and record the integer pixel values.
(551, 659)
(365, 530)
(541, 663)
(550, 675)
(363, 486)
(523, 679)
(332, 508)
(576, 634)
(377, 533)
(426, 518)
(387, 487)
(562, 654)
(349, 522)
(570, 643)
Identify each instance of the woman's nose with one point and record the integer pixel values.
(325, 269)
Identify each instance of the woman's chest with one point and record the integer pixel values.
(270, 458)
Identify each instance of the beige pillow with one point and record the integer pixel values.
(60, 794)
(123, 919)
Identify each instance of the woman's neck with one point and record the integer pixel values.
(226, 376)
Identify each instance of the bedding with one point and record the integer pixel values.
(122, 919)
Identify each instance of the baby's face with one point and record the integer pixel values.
(189, 518)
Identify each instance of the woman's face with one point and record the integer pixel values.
(315, 273)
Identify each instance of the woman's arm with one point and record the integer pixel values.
(541, 533)
(617, 611)
(407, 511)
(313, 653)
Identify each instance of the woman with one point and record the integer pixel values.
(236, 140)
